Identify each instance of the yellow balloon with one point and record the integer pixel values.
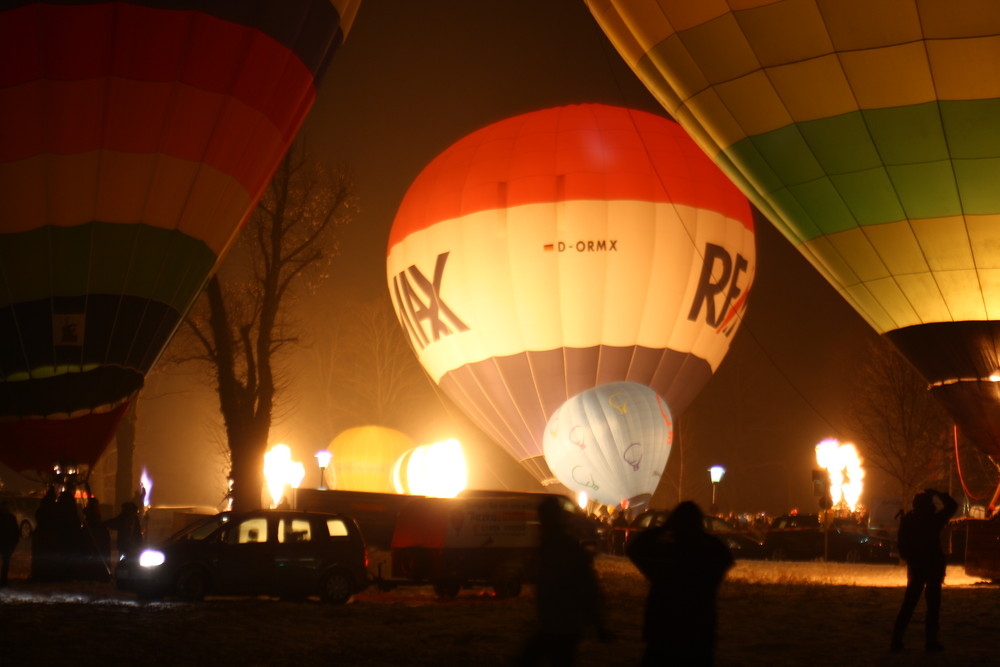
(363, 457)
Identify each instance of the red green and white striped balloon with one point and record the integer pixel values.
(135, 136)
(565, 248)
(868, 132)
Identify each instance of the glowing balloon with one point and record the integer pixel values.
(611, 442)
(134, 140)
(565, 248)
(364, 456)
(867, 132)
(437, 470)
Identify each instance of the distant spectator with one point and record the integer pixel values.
(10, 534)
(920, 546)
(128, 529)
(684, 566)
(96, 543)
(567, 594)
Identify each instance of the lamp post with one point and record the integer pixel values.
(323, 457)
(716, 473)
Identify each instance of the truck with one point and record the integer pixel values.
(455, 542)
(480, 538)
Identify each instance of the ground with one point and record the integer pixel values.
(769, 613)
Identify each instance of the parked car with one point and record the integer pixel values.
(290, 554)
(801, 537)
(741, 544)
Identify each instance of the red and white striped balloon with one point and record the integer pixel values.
(566, 248)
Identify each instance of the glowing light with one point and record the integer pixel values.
(151, 558)
(582, 500)
(146, 483)
(716, 473)
(323, 457)
(437, 470)
(281, 471)
(843, 466)
(995, 376)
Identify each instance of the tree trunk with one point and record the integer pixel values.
(125, 455)
(248, 473)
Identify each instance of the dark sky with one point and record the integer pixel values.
(414, 77)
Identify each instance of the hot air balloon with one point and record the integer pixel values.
(565, 248)
(437, 470)
(612, 442)
(364, 456)
(134, 139)
(868, 133)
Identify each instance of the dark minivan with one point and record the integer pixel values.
(289, 554)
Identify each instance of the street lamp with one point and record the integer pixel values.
(323, 457)
(716, 473)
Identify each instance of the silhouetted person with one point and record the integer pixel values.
(10, 535)
(97, 543)
(68, 529)
(920, 546)
(567, 593)
(619, 526)
(45, 539)
(128, 529)
(684, 566)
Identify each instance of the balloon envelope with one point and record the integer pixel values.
(565, 248)
(867, 132)
(134, 139)
(611, 442)
(364, 456)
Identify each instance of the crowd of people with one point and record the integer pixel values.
(71, 541)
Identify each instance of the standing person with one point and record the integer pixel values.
(97, 543)
(920, 546)
(684, 566)
(10, 535)
(45, 539)
(128, 529)
(567, 593)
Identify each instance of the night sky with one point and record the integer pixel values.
(413, 78)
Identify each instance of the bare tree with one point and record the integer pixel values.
(367, 370)
(242, 322)
(899, 425)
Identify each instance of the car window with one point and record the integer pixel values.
(294, 530)
(200, 531)
(248, 531)
(336, 528)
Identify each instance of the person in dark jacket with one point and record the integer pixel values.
(920, 546)
(567, 592)
(684, 566)
(10, 535)
(128, 529)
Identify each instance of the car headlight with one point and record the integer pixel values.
(151, 558)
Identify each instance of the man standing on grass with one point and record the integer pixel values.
(10, 535)
(920, 546)
(685, 566)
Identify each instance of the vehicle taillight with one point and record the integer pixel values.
(366, 557)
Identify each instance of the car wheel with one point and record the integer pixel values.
(507, 588)
(338, 587)
(779, 554)
(192, 584)
(852, 556)
(25, 530)
(447, 589)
